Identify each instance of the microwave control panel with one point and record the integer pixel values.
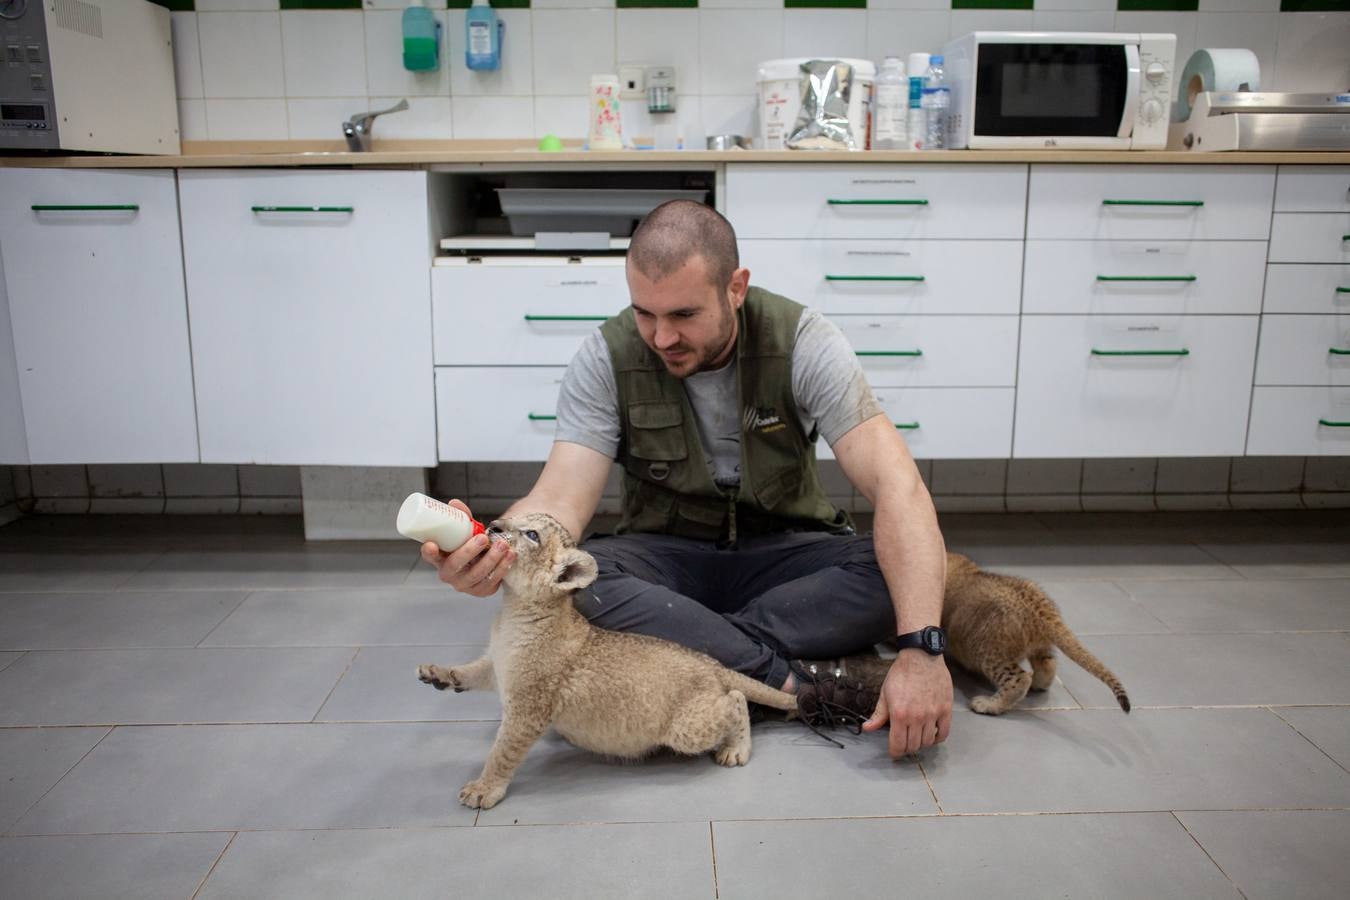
(1157, 68)
(27, 121)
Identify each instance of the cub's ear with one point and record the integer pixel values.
(574, 570)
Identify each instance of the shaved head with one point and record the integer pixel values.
(676, 231)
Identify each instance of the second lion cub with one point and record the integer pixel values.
(622, 695)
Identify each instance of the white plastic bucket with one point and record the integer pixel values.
(780, 99)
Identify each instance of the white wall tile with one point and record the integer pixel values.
(1254, 31)
(740, 4)
(565, 117)
(1311, 53)
(1180, 24)
(894, 33)
(639, 124)
(910, 4)
(732, 42)
(386, 4)
(730, 115)
(245, 120)
(965, 20)
(426, 118)
(385, 75)
(493, 117)
(241, 54)
(825, 33)
(187, 55)
(1238, 6)
(1070, 20)
(1077, 5)
(236, 5)
(515, 75)
(570, 47)
(325, 53)
(192, 120)
(573, 4)
(662, 37)
(320, 119)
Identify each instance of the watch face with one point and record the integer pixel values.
(934, 640)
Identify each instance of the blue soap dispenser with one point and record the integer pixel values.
(421, 38)
(482, 38)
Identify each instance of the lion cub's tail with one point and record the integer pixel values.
(758, 692)
(1068, 642)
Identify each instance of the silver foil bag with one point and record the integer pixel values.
(822, 123)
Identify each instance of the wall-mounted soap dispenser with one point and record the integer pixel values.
(482, 37)
(421, 38)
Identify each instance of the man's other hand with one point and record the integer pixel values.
(916, 699)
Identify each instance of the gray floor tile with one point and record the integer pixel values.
(309, 567)
(113, 687)
(32, 760)
(1104, 760)
(792, 773)
(1328, 727)
(345, 618)
(1278, 855)
(382, 686)
(1099, 562)
(1099, 856)
(134, 866)
(6, 658)
(1294, 559)
(90, 570)
(1317, 604)
(1102, 607)
(1217, 669)
(968, 685)
(630, 861)
(227, 777)
(87, 620)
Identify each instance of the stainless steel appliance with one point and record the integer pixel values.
(1060, 89)
(91, 75)
(1261, 120)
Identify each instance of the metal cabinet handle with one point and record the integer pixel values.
(1153, 203)
(530, 317)
(874, 278)
(838, 202)
(1182, 352)
(1146, 278)
(86, 207)
(888, 353)
(303, 209)
(536, 417)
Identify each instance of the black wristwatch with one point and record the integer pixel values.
(931, 640)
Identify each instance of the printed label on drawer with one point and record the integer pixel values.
(1142, 327)
(580, 280)
(877, 253)
(883, 181)
(1149, 251)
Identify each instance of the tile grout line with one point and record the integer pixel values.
(926, 781)
(1207, 854)
(1333, 759)
(712, 845)
(58, 781)
(333, 690)
(247, 594)
(211, 871)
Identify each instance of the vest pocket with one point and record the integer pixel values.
(657, 432)
(773, 489)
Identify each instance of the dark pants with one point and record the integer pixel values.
(752, 608)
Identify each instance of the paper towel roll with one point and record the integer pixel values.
(1215, 70)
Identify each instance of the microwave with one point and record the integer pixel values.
(1060, 89)
(87, 75)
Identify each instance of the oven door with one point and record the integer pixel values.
(1052, 94)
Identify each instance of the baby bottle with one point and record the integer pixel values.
(424, 518)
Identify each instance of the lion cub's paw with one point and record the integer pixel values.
(439, 678)
(478, 794)
(986, 706)
(737, 755)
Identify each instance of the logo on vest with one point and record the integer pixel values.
(764, 419)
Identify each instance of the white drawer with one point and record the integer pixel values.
(934, 351)
(871, 201)
(486, 413)
(1310, 238)
(1072, 402)
(1150, 203)
(949, 423)
(896, 277)
(1317, 189)
(518, 314)
(1302, 350)
(1300, 421)
(1143, 277)
(1307, 289)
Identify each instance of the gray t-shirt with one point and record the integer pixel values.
(831, 391)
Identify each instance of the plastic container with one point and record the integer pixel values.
(915, 123)
(424, 518)
(482, 38)
(605, 129)
(890, 103)
(780, 99)
(421, 38)
(937, 100)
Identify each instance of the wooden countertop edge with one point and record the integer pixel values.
(431, 154)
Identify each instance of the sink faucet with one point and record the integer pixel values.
(357, 128)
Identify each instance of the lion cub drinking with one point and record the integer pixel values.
(994, 622)
(623, 695)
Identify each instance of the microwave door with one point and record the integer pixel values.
(1132, 75)
(1035, 94)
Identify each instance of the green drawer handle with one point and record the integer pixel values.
(889, 353)
(85, 207)
(907, 426)
(533, 318)
(1146, 278)
(1341, 290)
(303, 209)
(535, 417)
(1331, 424)
(1182, 352)
(834, 202)
(1339, 351)
(1345, 237)
(1153, 203)
(874, 278)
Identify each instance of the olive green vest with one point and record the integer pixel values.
(667, 485)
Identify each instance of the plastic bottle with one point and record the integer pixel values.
(421, 38)
(914, 120)
(890, 105)
(937, 99)
(482, 37)
(423, 518)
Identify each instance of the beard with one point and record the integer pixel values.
(693, 360)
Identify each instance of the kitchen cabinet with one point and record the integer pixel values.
(94, 279)
(311, 311)
(497, 413)
(13, 438)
